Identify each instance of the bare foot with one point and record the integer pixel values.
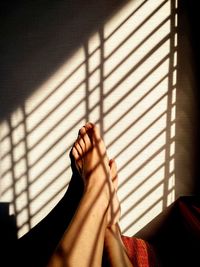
(90, 154)
(92, 162)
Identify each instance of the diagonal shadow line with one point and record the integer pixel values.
(135, 104)
(50, 148)
(57, 123)
(101, 159)
(57, 87)
(74, 88)
(134, 172)
(137, 84)
(83, 81)
(37, 177)
(46, 186)
(78, 104)
(133, 51)
(126, 19)
(135, 67)
(138, 169)
(55, 143)
(132, 69)
(105, 39)
(69, 147)
(140, 134)
(81, 119)
(145, 212)
(74, 72)
(46, 134)
(41, 207)
(138, 64)
(135, 121)
(51, 182)
(47, 168)
(64, 118)
(161, 165)
(60, 192)
(103, 59)
(143, 148)
(148, 160)
(135, 30)
(22, 139)
(141, 183)
(69, 113)
(143, 164)
(149, 192)
(55, 108)
(8, 135)
(41, 173)
(46, 98)
(54, 90)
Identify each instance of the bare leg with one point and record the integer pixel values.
(114, 248)
(82, 243)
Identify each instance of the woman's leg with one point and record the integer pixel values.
(83, 241)
(114, 249)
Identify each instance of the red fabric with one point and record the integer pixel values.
(185, 238)
(139, 252)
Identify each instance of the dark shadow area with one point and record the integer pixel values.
(174, 234)
(188, 99)
(31, 32)
(8, 234)
(192, 17)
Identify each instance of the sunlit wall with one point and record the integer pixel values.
(124, 79)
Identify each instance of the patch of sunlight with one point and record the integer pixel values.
(123, 78)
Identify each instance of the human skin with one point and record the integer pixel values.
(94, 225)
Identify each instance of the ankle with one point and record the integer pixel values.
(97, 195)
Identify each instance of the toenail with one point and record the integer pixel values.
(80, 132)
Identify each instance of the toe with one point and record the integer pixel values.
(78, 148)
(89, 125)
(82, 131)
(81, 144)
(86, 138)
(75, 153)
(96, 131)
